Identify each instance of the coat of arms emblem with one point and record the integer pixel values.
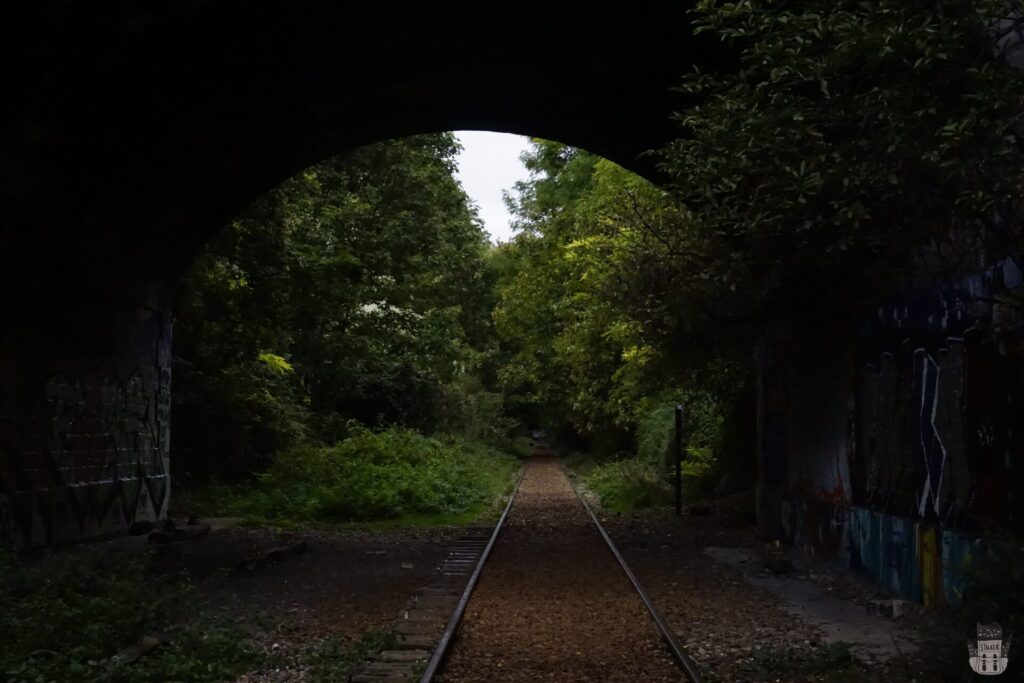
(989, 654)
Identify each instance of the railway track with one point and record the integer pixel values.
(425, 626)
(679, 653)
(426, 629)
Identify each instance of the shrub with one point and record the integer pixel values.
(377, 475)
(628, 484)
(702, 437)
(231, 420)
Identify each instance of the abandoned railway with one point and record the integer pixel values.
(543, 594)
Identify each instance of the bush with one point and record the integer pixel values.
(702, 437)
(628, 484)
(229, 421)
(377, 475)
(66, 618)
(646, 480)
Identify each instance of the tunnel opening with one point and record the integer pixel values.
(885, 377)
(360, 300)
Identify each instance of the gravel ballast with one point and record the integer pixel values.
(552, 603)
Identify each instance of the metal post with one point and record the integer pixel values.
(679, 459)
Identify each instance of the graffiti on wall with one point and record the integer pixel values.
(104, 463)
(914, 560)
(913, 445)
(84, 437)
(933, 452)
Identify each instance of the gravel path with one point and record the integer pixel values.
(552, 603)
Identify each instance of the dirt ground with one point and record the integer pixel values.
(739, 631)
(346, 583)
(552, 603)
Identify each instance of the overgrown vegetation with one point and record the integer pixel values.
(76, 616)
(607, 366)
(848, 145)
(857, 143)
(371, 476)
(335, 340)
(630, 481)
(851, 146)
(628, 484)
(357, 292)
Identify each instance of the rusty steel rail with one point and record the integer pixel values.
(453, 623)
(668, 635)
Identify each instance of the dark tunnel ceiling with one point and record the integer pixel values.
(132, 131)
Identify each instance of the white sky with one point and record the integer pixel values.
(488, 164)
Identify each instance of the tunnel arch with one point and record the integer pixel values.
(131, 132)
(137, 130)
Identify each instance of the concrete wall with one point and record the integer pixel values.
(84, 413)
(892, 442)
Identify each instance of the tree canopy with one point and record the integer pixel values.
(854, 146)
(853, 136)
(357, 290)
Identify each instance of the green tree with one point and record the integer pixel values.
(858, 141)
(611, 309)
(357, 290)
